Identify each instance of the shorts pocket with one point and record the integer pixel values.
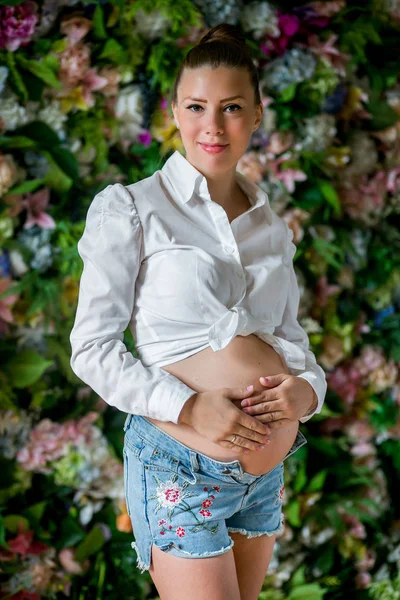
(162, 461)
(134, 442)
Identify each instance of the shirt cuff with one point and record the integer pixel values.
(168, 398)
(320, 389)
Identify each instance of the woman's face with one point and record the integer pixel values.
(204, 115)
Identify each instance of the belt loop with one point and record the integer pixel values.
(193, 460)
(127, 421)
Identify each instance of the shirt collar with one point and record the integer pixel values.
(187, 180)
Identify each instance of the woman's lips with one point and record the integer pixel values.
(213, 149)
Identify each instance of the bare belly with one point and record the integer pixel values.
(239, 364)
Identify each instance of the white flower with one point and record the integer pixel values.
(54, 117)
(12, 113)
(151, 25)
(129, 112)
(260, 18)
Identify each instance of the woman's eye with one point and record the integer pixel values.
(229, 106)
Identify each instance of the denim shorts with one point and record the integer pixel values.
(187, 503)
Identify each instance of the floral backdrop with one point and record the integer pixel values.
(85, 102)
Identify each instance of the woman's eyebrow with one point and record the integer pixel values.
(224, 100)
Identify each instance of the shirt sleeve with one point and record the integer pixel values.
(111, 249)
(291, 330)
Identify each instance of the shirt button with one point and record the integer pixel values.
(230, 249)
(239, 274)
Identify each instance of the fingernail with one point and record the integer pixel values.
(244, 403)
(249, 387)
(265, 378)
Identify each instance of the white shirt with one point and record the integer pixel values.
(161, 258)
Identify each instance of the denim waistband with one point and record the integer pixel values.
(159, 438)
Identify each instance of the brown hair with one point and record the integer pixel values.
(222, 46)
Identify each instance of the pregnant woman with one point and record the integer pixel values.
(196, 263)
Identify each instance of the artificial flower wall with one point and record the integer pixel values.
(85, 102)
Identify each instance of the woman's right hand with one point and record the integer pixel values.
(214, 415)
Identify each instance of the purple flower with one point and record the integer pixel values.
(17, 24)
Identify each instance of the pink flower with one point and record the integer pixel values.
(75, 28)
(74, 64)
(35, 205)
(23, 543)
(17, 24)
(92, 82)
(327, 50)
(288, 24)
(216, 488)
(6, 303)
(393, 180)
(346, 382)
(161, 522)
(71, 565)
(206, 503)
(180, 531)
(327, 9)
(205, 512)
(324, 290)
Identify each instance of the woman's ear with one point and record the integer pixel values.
(173, 107)
(259, 115)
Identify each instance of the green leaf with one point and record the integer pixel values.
(113, 51)
(58, 350)
(35, 512)
(55, 178)
(41, 133)
(292, 513)
(40, 70)
(383, 115)
(70, 532)
(288, 93)
(317, 482)
(99, 30)
(310, 591)
(330, 195)
(19, 141)
(2, 531)
(300, 479)
(328, 250)
(66, 161)
(26, 367)
(92, 543)
(27, 187)
(12, 523)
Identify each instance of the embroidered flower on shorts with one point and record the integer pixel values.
(281, 493)
(173, 497)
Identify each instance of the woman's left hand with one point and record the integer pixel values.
(287, 398)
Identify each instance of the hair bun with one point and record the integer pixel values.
(224, 32)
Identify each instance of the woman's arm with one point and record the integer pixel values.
(111, 250)
(291, 330)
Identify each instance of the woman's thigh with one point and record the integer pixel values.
(252, 558)
(178, 578)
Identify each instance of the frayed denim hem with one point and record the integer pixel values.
(251, 534)
(140, 564)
